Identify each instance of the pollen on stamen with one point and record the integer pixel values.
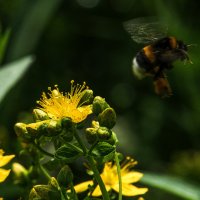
(58, 104)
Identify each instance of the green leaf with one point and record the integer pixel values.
(104, 151)
(173, 185)
(3, 43)
(68, 153)
(37, 15)
(11, 73)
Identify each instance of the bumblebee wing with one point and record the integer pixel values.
(146, 29)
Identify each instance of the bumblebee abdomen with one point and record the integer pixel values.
(144, 62)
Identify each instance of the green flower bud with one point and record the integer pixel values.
(39, 115)
(39, 192)
(95, 124)
(65, 176)
(91, 135)
(33, 194)
(50, 128)
(103, 133)
(21, 131)
(87, 97)
(53, 183)
(67, 122)
(107, 118)
(54, 128)
(20, 173)
(99, 104)
(113, 139)
(32, 128)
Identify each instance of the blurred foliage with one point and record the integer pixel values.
(85, 40)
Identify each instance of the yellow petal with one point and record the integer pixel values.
(97, 191)
(82, 186)
(5, 159)
(130, 190)
(3, 174)
(131, 177)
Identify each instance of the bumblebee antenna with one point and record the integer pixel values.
(189, 45)
(187, 58)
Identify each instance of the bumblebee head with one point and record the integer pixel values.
(182, 46)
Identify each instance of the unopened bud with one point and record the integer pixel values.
(54, 128)
(33, 128)
(65, 176)
(40, 115)
(99, 104)
(91, 135)
(103, 133)
(113, 139)
(67, 122)
(20, 173)
(87, 97)
(53, 183)
(107, 118)
(20, 130)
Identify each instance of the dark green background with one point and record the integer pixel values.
(84, 40)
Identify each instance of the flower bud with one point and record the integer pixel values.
(91, 135)
(113, 139)
(21, 131)
(50, 128)
(54, 128)
(107, 118)
(65, 176)
(87, 97)
(20, 173)
(39, 115)
(53, 183)
(67, 122)
(43, 192)
(99, 104)
(103, 133)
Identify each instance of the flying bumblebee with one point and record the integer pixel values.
(159, 53)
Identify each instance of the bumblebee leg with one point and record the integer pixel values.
(162, 86)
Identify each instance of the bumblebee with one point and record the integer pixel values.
(158, 56)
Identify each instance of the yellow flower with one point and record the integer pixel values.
(3, 161)
(59, 105)
(110, 179)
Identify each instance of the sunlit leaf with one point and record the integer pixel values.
(173, 185)
(11, 73)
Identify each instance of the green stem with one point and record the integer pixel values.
(92, 147)
(80, 142)
(42, 150)
(98, 178)
(73, 191)
(119, 176)
(44, 171)
(93, 167)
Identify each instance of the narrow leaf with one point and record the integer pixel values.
(37, 15)
(3, 43)
(173, 185)
(11, 73)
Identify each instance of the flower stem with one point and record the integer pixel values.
(80, 142)
(98, 178)
(93, 167)
(119, 175)
(42, 150)
(44, 171)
